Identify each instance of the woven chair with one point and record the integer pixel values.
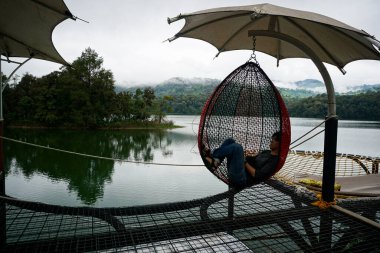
(247, 107)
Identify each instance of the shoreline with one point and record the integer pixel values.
(164, 127)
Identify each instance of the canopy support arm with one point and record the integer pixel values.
(331, 127)
(1, 106)
(14, 71)
(2, 86)
(322, 69)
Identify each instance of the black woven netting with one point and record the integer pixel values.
(247, 107)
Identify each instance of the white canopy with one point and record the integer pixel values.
(228, 28)
(26, 28)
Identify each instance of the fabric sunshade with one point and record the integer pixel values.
(228, 29)
(26, 28)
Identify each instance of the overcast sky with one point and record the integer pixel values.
(129, 35)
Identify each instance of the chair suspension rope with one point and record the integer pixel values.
(307, 139)
(310, 132)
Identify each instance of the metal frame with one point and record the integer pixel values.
(331, 127)
(2, 87)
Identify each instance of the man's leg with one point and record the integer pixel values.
(223, 151)
(235, 161)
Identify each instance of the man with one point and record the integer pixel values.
(244, 171)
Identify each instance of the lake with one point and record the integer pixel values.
(60, 178)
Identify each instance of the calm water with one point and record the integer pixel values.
(66, 179)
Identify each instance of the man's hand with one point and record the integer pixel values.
(250, 153)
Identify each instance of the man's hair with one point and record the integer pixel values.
(276, 136)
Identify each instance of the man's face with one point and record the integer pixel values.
(274, 144)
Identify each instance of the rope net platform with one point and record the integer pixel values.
(311, 162)
(356, 175)
(273, 216)
(267, 217)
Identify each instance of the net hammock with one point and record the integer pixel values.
(247, 107)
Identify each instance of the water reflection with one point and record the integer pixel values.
(85, 176)
(359, 124)
(60, 178)
(307, 122)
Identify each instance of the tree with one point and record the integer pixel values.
(123, 106)
(80, 95)
(161, 107)
(98, 83)
(19, 100)
(138, 112)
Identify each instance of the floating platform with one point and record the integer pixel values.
(269, 217)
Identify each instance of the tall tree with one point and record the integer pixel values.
(139, 109)
(96, 81)
(123, 106)
(161, 106)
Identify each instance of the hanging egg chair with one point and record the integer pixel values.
(247, 107)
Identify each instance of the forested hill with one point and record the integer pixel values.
(303, 100)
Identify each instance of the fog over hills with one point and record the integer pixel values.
(190, 81)
(305, 98)
(310, 86)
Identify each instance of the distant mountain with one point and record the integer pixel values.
(306, 98)
(119, 88)
(178, 86)
(193, 86)
(363, 88)
(309, 84)
(296, 93)
(191, 81)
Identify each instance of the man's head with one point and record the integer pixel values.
(275, 142)
(276, 136)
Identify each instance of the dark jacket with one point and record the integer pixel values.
(264, 163)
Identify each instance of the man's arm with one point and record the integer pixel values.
(250, 169)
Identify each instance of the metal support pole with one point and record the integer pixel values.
(1, 94)
(2, 171)
(1, 151)
(331, 128)
(231, 205)
(325, 231)
(3, 238)
(230, 209)
(375, 167)
(2, 191)
(329, 161)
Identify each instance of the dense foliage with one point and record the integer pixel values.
(81, 95)
(363, 106)
(300, 102)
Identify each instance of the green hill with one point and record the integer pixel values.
(190, 95)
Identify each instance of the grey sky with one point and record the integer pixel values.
(129, 35)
